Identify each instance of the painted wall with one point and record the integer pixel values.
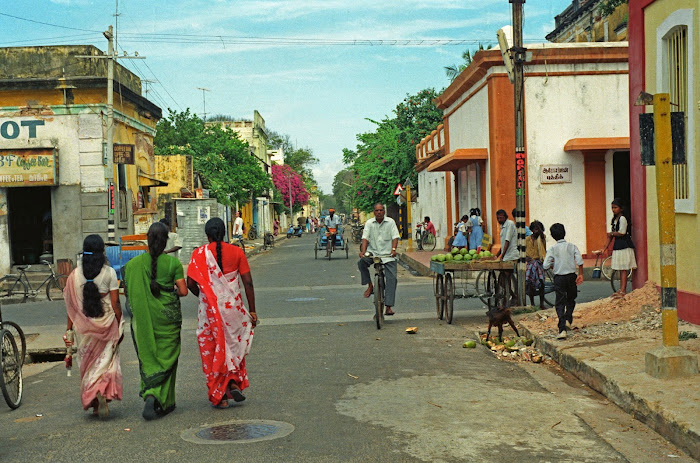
(431, 202)
(659, 17)
(572, 104)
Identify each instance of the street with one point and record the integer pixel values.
(352, 393)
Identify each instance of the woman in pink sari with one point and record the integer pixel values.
(92, 303)
(225, 329)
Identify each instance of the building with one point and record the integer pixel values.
(58, 183)
(259, 210)
(665, 58)
(572, 173)
(583, 21)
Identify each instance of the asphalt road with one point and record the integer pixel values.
(352, 393)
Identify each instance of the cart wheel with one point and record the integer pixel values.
(315, 250)
(439, 296)
(449, 297)
(504, 289)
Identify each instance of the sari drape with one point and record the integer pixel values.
(155, 325)
(225, 329)
(98, 345)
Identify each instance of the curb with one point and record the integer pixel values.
(415, 265)
(628, 401)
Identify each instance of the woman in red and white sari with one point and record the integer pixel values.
(225, 329)
(92, 303)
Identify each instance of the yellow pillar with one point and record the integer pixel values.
(408, 218)
(663, 150)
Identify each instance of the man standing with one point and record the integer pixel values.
(238, 226)
(380, 237)
(509, 238)
(332, 224)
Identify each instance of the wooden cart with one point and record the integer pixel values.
(494, 283)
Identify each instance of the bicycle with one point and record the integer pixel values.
(613, 276)
(379, 287)
(11, 360)
(13, 284)
(237, 240)
(253, 232)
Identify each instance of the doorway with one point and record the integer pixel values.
(621, 177)
(30, 223)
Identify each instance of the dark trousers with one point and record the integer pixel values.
(390, 269)
(565, 289)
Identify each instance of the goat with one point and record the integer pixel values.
(498, 316)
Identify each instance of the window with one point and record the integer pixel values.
(675, 77)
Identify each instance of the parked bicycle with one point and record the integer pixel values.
(253, 232)
(613, 276)
(425, 240)
(11, 360)
(379, 287)
(14, 285)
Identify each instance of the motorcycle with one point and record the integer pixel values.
(295, 231)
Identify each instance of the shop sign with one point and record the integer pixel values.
(27, 167)
(554, 173)
(123, 154)
(203, 214)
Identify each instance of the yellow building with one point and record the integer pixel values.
(664, 48)
(583, 21)
(54, 119)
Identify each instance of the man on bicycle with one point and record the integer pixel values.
(332, 224)
(380, 237)
(428, 227)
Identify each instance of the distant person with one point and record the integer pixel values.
(275, 227)
(174, 242)
(225, 328)
(509, 238)
(620, 234)
(476, 230)
(460, 240)
(154, 284)
(332, 224)
(535, 253)
(564, 258)
(308, 225)
(94, 312)
(380, 237)
(238, 226)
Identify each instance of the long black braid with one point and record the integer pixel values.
(215, 230)
(93, 261)
(157, 239)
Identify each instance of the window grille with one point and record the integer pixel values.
(677, 52)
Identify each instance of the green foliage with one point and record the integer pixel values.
(343, 190)
(301, 160)
(228, 170)
(608, 7)
(454, 70)
(387, 156)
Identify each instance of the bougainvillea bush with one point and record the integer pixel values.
(282, 177)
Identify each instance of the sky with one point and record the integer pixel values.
(315, 70)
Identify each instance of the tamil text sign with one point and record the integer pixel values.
(123, 154)
(27, 167)
(554, 173)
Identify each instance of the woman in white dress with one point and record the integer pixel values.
(623, 249)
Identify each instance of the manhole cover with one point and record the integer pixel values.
(304, 299)
(237, 432)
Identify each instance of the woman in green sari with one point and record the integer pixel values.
(154, 284)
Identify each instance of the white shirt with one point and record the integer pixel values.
(333, 222)
(564, 257)
(106, 280)
(510, 234)
(380, 237)
(238, 226)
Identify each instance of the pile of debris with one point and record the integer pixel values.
(518, 349)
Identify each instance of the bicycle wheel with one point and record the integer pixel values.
(20, 339)
(449, 297)
(429, 242)
(549, 294)
(11, 383)
(54, 288)
(606, 269)
(252, 234)
(12, 285)
(379, 301)
(439, 296)
(485, 283)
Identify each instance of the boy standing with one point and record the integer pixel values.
(564, 257)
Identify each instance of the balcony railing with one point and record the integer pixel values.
(432, 144)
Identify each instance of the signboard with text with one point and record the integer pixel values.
(28, 167)
(555, 173)
(123, 154)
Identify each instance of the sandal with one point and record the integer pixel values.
(222, 405)
(234, 392)
(149, 408)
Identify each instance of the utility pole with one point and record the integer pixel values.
(518, 53)
(204, 101)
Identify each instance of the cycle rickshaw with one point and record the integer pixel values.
(321, 243)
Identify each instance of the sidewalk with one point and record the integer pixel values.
(606, 350)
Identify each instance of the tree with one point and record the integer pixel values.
(454, 70)
(342, 189)
(607, 7)
(300, 160)
(284, 178)
(387, 156)
(228, 170)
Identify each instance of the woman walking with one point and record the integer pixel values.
(623, 259)
(476, 234)
(92, 303)
(225, 329)
(535, 252)
(154, 283)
